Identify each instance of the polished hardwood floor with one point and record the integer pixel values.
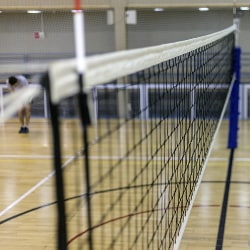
(27, 208)
(203, 225)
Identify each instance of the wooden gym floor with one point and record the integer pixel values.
(27, 188)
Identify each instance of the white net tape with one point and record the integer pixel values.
(104, 68)
(14, 101)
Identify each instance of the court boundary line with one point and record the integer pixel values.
(198, 205)
(45, 179)
(32, 189)
(244, 159)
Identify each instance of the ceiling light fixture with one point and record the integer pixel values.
(34, 11)
(244, 8)
(204, 9)
(158, 9)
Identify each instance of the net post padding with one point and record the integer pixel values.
(234, 103)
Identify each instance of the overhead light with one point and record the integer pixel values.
(34, 11)
(75, 11)
(1, 11)
(244, 8)
(158, 9)
(204, 9)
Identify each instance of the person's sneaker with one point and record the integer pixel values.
(25, 130)
(21, 130)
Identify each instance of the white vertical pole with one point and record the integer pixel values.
(79, 40)
(236, 22)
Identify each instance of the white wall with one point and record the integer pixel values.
(16, 30)
(155, 28)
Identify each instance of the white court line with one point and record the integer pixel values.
(27, 193)
(246, 159)
(34, 187)
(242, 159)
(70, 160)
(27, 156)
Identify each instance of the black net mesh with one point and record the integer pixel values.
(147, 150)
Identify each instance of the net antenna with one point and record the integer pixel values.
(82, 102)
(236, 21)
(234, 8)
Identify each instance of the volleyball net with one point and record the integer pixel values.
(141, 130)
(154, 114)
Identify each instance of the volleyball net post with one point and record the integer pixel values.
(234, 103)
(234, 98)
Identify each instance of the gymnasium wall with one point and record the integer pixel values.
(152, 28)
(17, 33)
